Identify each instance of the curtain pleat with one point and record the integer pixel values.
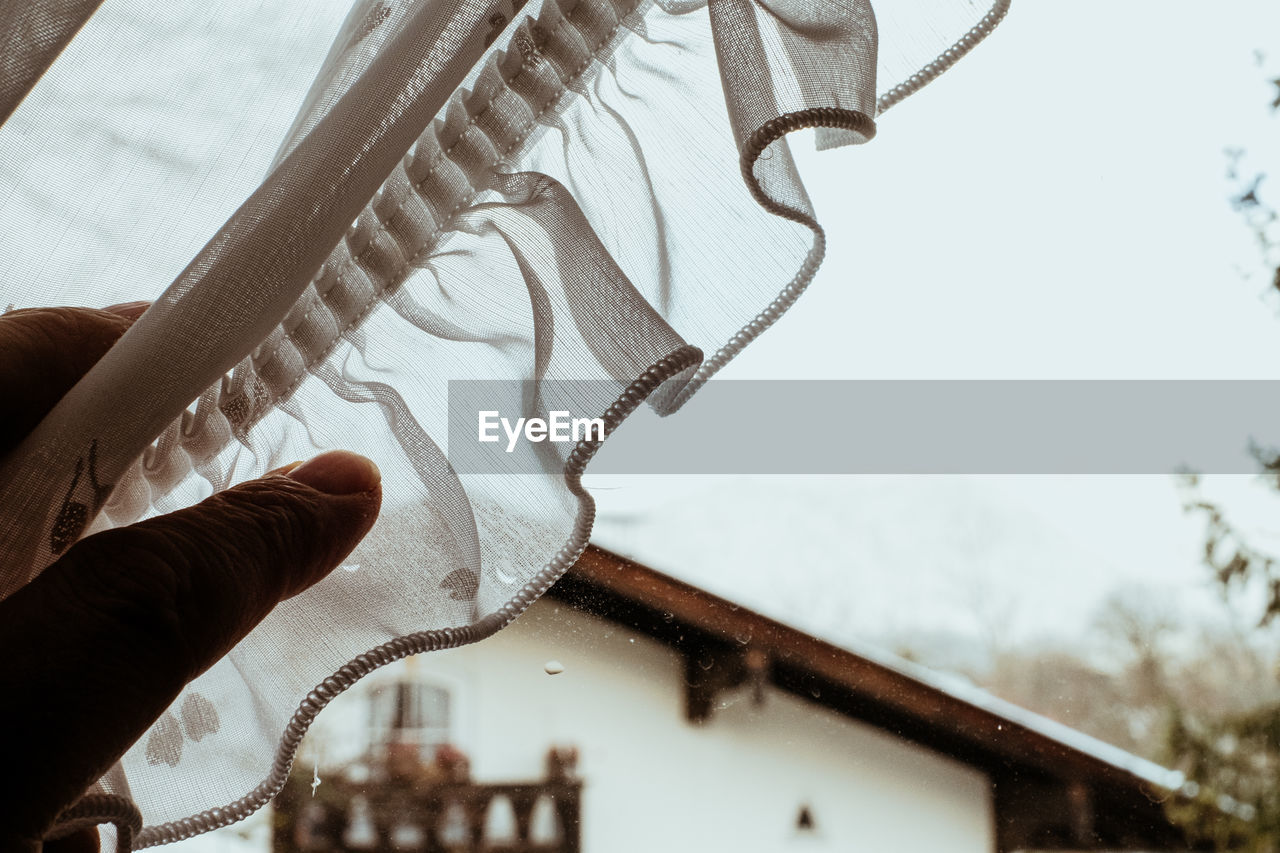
(592, 200)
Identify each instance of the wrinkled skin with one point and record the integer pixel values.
(106, 637)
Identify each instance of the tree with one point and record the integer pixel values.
(1231, 752)
(1199, 695)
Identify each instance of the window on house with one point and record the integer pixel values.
(410, 718)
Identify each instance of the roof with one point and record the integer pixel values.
(1052, 783)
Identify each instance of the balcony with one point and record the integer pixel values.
(429, 814)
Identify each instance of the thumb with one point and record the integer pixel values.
(106, 638)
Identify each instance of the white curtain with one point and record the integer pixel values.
(566, 190)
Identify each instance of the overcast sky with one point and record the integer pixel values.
(1055, 207)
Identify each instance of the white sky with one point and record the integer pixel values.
(1054, 207)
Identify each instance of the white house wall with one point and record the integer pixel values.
(653, 781)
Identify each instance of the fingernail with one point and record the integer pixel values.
(283, 469)
(129, 310)
(338, 472)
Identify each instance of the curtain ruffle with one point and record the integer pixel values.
(606, 195)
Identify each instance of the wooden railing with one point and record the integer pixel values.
(450, 817)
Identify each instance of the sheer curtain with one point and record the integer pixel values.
(564, 190)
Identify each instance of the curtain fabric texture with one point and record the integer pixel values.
(564, 190)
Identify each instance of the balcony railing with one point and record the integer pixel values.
(446, 817)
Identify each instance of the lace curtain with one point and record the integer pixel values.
(566, 190)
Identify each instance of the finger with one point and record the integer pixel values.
(107, 636)
(45, 351)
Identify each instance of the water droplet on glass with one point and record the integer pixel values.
(553, 667)
(815, 693)
(631, 639)
(667, 617)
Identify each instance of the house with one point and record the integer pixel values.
(628, 711)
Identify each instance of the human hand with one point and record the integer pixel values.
(99, 645)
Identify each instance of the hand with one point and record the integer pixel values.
(100, 644)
